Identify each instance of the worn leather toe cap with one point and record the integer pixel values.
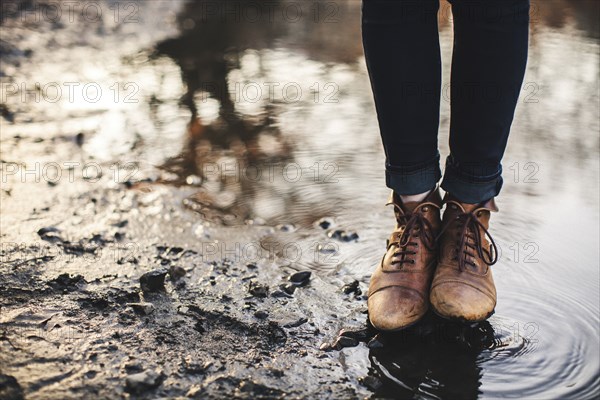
(457, 300)
(394, 308)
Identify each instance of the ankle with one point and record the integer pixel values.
(412, 198)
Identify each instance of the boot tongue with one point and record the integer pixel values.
(470, 207)
(489, 205)
(409, 206)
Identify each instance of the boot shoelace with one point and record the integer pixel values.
(415, 226)
(467, 230)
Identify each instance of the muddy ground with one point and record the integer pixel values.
(108, 293)
(75, 322)
(80, 231)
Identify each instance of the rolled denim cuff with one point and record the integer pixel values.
(472, 183)
(412, 179)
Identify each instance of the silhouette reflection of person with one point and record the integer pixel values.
(435, 359)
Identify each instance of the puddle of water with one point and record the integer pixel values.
(273, 123)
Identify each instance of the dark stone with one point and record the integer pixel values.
(300, 278)
(79, 139)
(142, 381)
(121, 224)
(50, 234)
(324, 223)
(153, 281)
(286, 227)
(281, 293)
(6, 113)
(275, 372)
(295, 324)
(349, 237)
(258, 290)
(119, 236)
(176, 272)
(344, 341)
(370, 382)
(260, 314)
(325, 347)
(352, 287)
(342, 235)
(289, 289)
(361, 335)
(376, 342)
(91, 374)
(175, 250)
(336, 234)
(132, 366)
(66, 282)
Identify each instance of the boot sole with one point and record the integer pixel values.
(461, 319)
(398, 329)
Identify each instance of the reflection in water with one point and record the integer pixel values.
(234, 144)
(532, 356)
(222, 151)
(438, 359)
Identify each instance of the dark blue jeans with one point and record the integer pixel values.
(402, 51)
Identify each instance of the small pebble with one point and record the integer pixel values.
(79, 139)
(153, 281)
(286, 228)
(325, 347)
(281, 293)
(142, 381)
(342, 235)
(370, 382)
(289, 289)
(360, 334)
(295, 324)
(50, 234)
(344, 341)
(324, 223)
(352, 287)
(300, 278)
(176, 272)
(258, 290)
(375, 343)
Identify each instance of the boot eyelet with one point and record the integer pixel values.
(425, 209)
(479, 213)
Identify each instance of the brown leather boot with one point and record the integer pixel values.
(399, 288)
(463, 288)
